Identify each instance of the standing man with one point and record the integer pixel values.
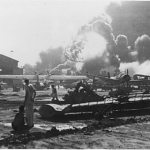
(54, 93)
(29, 102)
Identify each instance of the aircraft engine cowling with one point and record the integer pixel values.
(126, 78)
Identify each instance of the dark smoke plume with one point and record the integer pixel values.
(99, 36)
(94, 65)
(101, 27)
(29, 69)
(131, 18)
(105, 30)
(142, 45)
(122, 49)
(51, 58)
(48, 60)
(122, 41)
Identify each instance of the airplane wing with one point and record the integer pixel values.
(122, 78)
(66, 77)
(104, 79)
(136, 76)
(139, 82)
(142, 75)
(131, 82)
(42, 77)
(18, 77)
(111, 81)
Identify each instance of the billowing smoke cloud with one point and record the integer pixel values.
(142, 45)
(28, 69)
(90, 51)
(95, 46)
(92, 48)
(122, 41)
(131, 18)
(123, 50)
(51, 58)
(105, 30)
(136, 67)
(135, 25)
(48, 60)
(142, 51)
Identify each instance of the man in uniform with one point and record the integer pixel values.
(29, 102)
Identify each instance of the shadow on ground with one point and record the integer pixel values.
(27, 136)
(69, 117)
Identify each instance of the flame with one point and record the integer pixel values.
(79, 66)
(95, 46)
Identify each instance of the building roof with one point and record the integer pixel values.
(8, 57)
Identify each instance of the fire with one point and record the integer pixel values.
(95, 46)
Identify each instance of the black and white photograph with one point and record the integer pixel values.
(74, 74)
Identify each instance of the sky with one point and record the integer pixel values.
(28, 27)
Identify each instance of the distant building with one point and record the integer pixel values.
(9, 66)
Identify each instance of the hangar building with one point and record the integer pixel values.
(9, 66)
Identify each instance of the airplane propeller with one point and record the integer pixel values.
(126, 78)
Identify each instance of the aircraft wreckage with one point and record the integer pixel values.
(85, 99)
